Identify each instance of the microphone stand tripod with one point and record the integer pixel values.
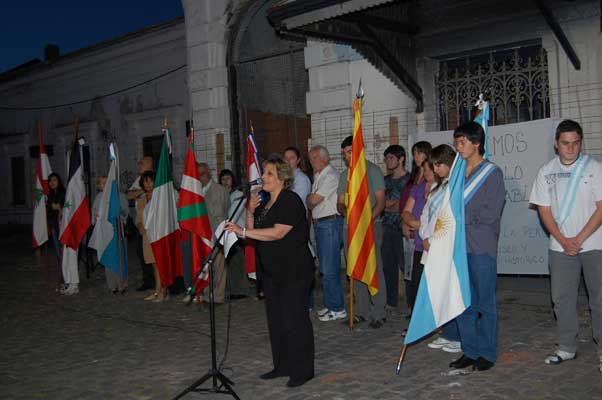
(214, 374)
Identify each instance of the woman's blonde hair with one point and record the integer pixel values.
(284, 171)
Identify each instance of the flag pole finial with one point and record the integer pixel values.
(165, 121)
(360, 91)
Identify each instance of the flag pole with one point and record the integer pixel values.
(46, 269)
(118, 222)
(402, 356)
(119, 245)
(351, 301)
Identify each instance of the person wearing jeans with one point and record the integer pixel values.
(327, 222)
(483, 213)
(329, 240)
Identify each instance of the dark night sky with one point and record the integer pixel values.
(27, 26)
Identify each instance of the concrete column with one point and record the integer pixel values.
(206, 39)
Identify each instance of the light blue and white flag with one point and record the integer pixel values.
(483, 120)
(105, 235)
(444, 291)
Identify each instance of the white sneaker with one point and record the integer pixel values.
(333, 316)
(323, 312)
(186, 299)
(452, 347)
(438, 343)
(559, 356)
(71, 290)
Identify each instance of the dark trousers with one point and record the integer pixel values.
(290, 329)
(417, 269)
(148, 274)
(392, 254)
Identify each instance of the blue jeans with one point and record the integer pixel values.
(329, 239)
(479, 334)
(450, 331)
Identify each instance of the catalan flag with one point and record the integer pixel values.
(361, 253)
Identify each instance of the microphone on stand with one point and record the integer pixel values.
(250, 184)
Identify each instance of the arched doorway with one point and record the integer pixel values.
(268, 83)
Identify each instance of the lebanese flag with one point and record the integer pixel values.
(40, 226)
(162, 220)
(253, 173)
(76, 211)
(193, 217)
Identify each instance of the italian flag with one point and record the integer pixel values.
(162, 220)
(76, 212)
(192, 214)
(40, 227)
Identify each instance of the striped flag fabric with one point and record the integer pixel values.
(253, 172)
(193, 217)
(483, 119)
(444, 291)
(361, 253)
(105, 235)
(162, 220)
(40, 224)
(76, 211)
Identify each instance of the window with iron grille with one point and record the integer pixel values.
(514, 79)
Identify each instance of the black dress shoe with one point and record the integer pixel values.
(356, 320)
(377, 323)
(295, 383)
(483, 364)
(271, 375)
(462, 362)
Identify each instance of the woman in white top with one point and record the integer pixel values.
(441, 160)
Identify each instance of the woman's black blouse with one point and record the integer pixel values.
(288, 260)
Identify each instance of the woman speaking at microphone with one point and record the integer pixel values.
(279, 226)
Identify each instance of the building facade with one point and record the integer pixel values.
(120, 90)
(290, 70)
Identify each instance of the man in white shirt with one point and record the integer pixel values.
(328, 228)
(301, 184)
(568, 195)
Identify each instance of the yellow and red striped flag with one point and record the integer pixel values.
(361, 252)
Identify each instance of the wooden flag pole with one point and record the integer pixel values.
(59, 266)
(46, 269)
(401, 358)
(351, 301)
(119, 244)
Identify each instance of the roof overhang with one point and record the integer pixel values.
(378, 29)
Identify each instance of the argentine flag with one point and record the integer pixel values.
(105, 235)
(444, 291)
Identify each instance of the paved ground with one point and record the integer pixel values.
(101, 346)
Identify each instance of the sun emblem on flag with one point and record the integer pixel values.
(443, 225)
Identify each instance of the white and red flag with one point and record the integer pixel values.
(76, 211)
(253, 173)
(40, 225)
